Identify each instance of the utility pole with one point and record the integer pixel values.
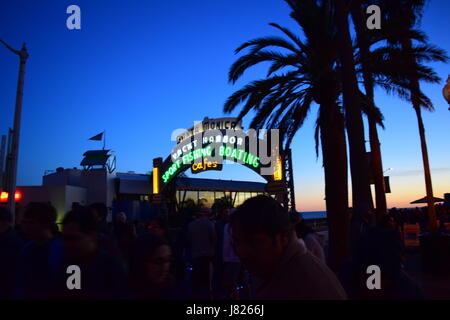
(12, 175)
(2, 161)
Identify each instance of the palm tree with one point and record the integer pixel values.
(362, 199)
(390, 65)
(405, 15)
(283, 101)
(363, 40)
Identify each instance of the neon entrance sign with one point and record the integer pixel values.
(225, 152)
(202, 148)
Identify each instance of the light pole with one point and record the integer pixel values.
(23, 56)
(388, 169)
(446, 92)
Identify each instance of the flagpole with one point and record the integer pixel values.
(104, 139)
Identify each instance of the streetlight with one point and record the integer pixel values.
(388, 169)
(23, 56)
(446, 92)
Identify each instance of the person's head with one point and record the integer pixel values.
(79, 234)
(38, 222)
(388, 222)
(303, 229)
(121, 217)
(295, 216)
(151, 260)
(204, 213)
(261, 231)
(5, 219)
(155, 225)
(99, 210)
(223, 213)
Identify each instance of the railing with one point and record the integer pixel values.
(317, 224)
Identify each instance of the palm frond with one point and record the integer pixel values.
(290, 35)
(262, 43)
(243, 63)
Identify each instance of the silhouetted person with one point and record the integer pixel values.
(202, 237)
(232, 266)
(103, 276)
(362, 219)
(399, 220)
(218, 264)
(10, 247)
(383, 248)
(311, 239)
(268, 248)
(106, 239)
(140, 227)
(100, 212)
(182, 249)
(43, 253)
(158, 226)
(124, 232)
(388, 222)
(150, 269)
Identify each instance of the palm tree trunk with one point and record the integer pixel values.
(432, 223)
(377, 169)
(355, 128)
(334, 151)
(375, 150)
(415, 89)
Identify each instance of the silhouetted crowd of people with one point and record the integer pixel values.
(256, 251)
(420, 216)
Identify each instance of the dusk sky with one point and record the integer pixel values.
(141, 69)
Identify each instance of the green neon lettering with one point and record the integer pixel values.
(185, 159)
(245, 157)
(256, 162)
(240, 154)
(250, 158)
(171, 171)
(234, 153)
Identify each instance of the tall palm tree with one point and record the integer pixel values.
(390, 64)
(405, 15)
(363, 40)
(302, 72)
(362, 198)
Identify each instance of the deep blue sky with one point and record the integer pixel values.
(140, 69)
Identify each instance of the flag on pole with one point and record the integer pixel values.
(97, 137)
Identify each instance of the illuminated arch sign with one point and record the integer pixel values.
(204, 147)
(210, 124)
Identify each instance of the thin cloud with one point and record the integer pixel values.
(417, 172)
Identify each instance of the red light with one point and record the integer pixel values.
(18, 195)
(4, 196)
